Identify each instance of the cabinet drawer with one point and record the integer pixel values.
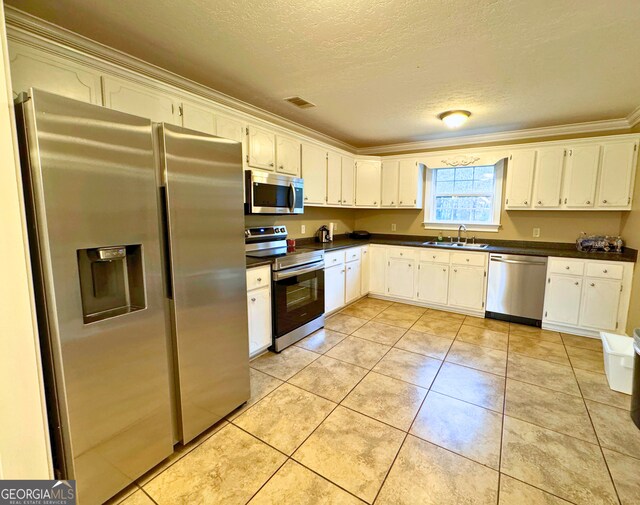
(403, 253)
(332, 259)
(353, 254)
(569, 267)
(258, 277)
(605, 270)
(477, 260)
(435, 256)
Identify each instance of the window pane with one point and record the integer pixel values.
(444, 188)
(464, 174)
(446, 174)
(462, 187)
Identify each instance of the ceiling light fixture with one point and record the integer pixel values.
(455, 118)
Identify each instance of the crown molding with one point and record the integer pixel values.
(22, 22)
(634, 117)
(507, 136)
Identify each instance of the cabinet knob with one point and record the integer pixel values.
(592, 284)
(400, 202)
(271, 164)
(604, 201)
(349, 268)
(567, 268)
(455, 269)
(605, 271)
(467, 260)
(280, 167)
(444, 269)
(392, 203)
(434, 256)
(400, 254)
(253, 299)
(375, 203)
(577, 283)
(539, 202)
(414, 202)
(259, 279)
(306, 197)
(526, 203)
(588, 202)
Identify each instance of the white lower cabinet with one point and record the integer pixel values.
(377, 269)
(334, 282)
(352, 281)
(587, 296)
(433, 283)
(259, 309)
(467, 287)
(365, 266)
(400, 277)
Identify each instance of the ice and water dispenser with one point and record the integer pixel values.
(111, 281)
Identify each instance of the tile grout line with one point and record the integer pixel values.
(593, 426)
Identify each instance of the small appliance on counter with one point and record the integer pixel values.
(595, 243)
(360, 234)
(323, 234)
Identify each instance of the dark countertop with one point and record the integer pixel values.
(257, 262)
(530, 248)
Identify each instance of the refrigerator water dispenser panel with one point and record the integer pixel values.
(111, 281)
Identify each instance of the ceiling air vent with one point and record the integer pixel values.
(299, 102)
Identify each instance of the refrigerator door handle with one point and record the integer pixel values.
(292, 189)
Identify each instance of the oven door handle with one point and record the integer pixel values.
(292, 188)
(285, 274)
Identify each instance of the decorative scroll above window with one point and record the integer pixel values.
(460, 161)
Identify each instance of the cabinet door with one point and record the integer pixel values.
(520, 170)
(259, 308)
(229, 128)
(548, 178)
(367, 183)
(466, 287)
(377, 270)
(261, 148)
(352, 279)
(196, 117)
(616, 174)
(562, 299)
(410, 184)
(389, 197)
(581, 176)
(334, 288)
(600, 302)
(400, 277)
(348, 180)
(334, 178)
(288, 156)
(32, 68)
(433, 283)
(314, 172)
(365, 269)
(138, 100)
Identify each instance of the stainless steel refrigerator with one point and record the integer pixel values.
(139, 283)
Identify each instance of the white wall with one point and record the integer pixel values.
(24, 439)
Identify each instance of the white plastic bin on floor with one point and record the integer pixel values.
(618, 361)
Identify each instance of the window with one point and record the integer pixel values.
(464, 195)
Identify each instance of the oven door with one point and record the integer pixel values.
(298, 297)
(274, 194)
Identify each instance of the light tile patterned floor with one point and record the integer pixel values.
(396, 404)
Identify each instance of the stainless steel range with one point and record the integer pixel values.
(297, 284)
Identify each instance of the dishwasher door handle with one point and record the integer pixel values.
(518, 262)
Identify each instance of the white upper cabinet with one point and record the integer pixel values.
(261, 148)
(229, 128)
(581, 176)
(31, 68)
(314, 172)
(390, 170)
(139, 100)
(334, 178)
(196, 117)
(367, 183)
(410, 184)
(348, 165)
(547, 184)
(617, 174)
(520, 170)
(288, 155)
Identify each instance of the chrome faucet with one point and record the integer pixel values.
(466, 234)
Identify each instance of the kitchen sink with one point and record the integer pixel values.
(456, 244)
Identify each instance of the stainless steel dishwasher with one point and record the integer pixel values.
(516, 288)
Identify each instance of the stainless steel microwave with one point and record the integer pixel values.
(273, 193)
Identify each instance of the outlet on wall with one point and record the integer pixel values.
(536, 232)
(303, 229)
(393, 227)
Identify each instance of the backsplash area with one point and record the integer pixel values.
(313, 218)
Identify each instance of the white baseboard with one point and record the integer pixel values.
(418, 303)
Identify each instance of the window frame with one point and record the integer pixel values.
(429, 202)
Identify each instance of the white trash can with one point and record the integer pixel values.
(618, 361)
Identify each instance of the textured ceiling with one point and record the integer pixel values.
(380, 71)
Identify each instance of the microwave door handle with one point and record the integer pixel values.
(292, 188)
